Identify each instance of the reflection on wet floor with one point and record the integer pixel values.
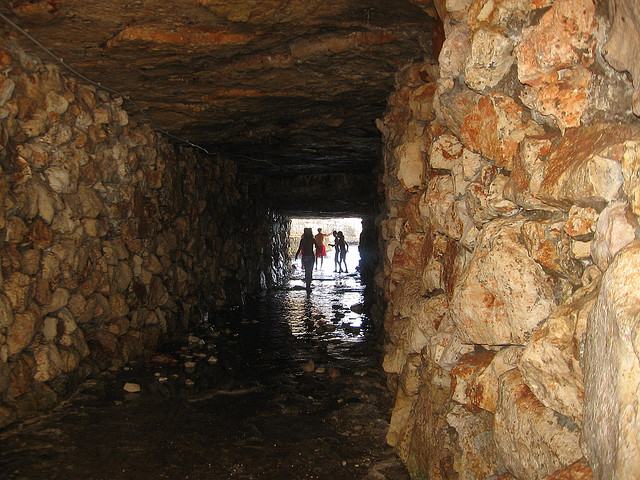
(288, 388)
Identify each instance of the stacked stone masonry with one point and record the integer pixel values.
(510, 246)
(111, 239)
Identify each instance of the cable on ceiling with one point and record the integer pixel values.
(119, 94)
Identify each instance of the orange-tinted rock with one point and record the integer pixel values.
(533, 440)
(465, 389)
(502, 294)
(576, 471)
(495, 128)
(584, 169)
(552, 58)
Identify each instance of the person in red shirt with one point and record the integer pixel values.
(322, 249)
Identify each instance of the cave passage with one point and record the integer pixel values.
(288, 387)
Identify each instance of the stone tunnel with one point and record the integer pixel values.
(152, 154)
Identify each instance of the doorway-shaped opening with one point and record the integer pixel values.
(351, 227)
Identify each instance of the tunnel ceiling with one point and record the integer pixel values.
(288, 87)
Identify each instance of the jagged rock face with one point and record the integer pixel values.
(298, 83)
(512, 250)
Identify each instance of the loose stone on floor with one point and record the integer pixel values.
(290, 388)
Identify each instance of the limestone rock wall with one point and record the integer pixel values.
(110, 237)
(510, 248)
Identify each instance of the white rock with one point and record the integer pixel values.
(611, 368)
(614, 231)
(502, 294)
(131, 387)
(533, 441)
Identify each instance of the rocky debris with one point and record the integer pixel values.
(255, 405)
(131, 387)
(309, 366)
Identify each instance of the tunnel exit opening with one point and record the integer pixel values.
(351, 227)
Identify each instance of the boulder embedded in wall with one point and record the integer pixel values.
(506, 16)
(59, 299)
(21, 331)
(489, 59)
(121, 277)
(548, 245)
(421, 102)
(485, 385)
(466, 389)
(48, 362)
(486, 197)
(447, 346)
(6, 312)
(502, 294)
(615, 229)
(400, 417)
(576, 471)
(533, 441)
(612, 372)
(426, 444)
(623, 44)
(581, 222)
(410, 163)
(631, 173)
(445, 152)
(528, 173)
(453, 55)
(409, 254)
(411, 333)
(15, 230)
(453, 107)
(85, 202)
(437, 206)
(425, 324)
(476, 456)
(552, 60)
(496, 127)
(465, 171)
(550, 363)
(584, 169)
(158, 294)
(18, 289)
(432, 269)
(410, 380)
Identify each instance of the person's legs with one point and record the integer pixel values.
(308, 271)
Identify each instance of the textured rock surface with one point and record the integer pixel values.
(530, 194)
(612, 372)
(533, 441)
(296, 85)
(502, 285)
(110, 241)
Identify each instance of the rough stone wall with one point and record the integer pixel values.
(110, 238)
(510, 253)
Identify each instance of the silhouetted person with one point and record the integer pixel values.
(342, 248)
(335, 249)
(307, 246)
(322, 249)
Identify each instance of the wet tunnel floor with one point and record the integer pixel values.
(289, 388)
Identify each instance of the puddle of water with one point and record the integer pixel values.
(231, 401)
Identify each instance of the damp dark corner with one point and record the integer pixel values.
(319, 239)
